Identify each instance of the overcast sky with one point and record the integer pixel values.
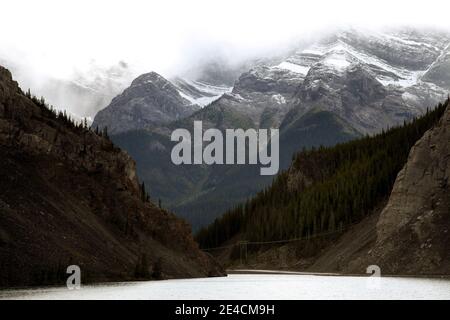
(55, 36)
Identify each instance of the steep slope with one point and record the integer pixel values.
(69, 196)
(304, 216)
(417, 215)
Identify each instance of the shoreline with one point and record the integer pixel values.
(330, 274)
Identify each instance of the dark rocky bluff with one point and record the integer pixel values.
(69, 196)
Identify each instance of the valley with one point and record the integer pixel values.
(345, 85)
(317, 161)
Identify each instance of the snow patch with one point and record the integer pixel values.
(409, 79)
(406, 78)
(338, 62)
(209, 93)
(278, 98)
(409, 97)
(293, 67)
(208, 88)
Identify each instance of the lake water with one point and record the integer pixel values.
(252, 286)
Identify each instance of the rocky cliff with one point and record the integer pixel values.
(410, 235)
(413, 231)
(69, 196)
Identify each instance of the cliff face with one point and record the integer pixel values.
(413, 231)
(69, 196)
(410, 235)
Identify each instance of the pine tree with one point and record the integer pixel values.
(143, 192)
(105, 132)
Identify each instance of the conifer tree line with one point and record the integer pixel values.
(67, 120)
(63, 117)
(325, 189)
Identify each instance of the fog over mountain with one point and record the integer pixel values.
(89, 52)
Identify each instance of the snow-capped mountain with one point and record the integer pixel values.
(150, 100)
(382, 78)
(342, 86)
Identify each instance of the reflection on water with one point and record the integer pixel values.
(253, 286)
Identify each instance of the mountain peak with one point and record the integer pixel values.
(150, 77)
(150, 99)
(6, 80)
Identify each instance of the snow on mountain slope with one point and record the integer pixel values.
(376, 78)
(199, 93)
(340, 54)
(400, 58)
(293, 67)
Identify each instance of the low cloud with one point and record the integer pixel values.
(48, 39)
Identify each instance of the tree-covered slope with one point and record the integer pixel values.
(202, 193)
(324, 189)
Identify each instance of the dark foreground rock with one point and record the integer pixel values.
(69, 196)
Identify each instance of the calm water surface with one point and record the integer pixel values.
(252, 286)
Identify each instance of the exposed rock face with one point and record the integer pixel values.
(149, 100)
(413, 231)
(410, 235)
(372, 80)
(69, 196)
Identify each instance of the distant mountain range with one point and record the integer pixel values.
(345, 85)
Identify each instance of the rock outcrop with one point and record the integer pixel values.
(413, 232)
(410, 235)
(69, 196)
